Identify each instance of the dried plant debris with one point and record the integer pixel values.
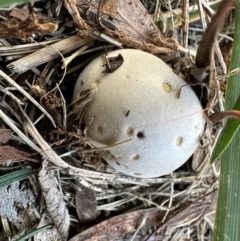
(54, 202)
(121, 225)
(48, 53)
(34, 23)
(123, 20)
(49, 234)
(113, 63)
(17, 206)
(40, 63)
(49, 100)
(5, 135)
(188, 216)
(10, 153)
(86, 205)
(205, 48)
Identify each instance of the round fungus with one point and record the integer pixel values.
(137, 114)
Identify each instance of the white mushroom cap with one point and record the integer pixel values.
(138, 101)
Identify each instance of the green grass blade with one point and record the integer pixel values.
(32, 233)
(227, 223)
(19, 175)
(8, 3)
(226, 135)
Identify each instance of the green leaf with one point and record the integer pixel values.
(227, 222)
(226, 135)
(7, 3)
(32, 233)
(9, 178)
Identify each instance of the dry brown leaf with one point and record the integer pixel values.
(11, 153)
(4, 135)
(20, 13)
(128, 22)
(24, 29)
(54, 202)
(121, 225)
(86, 205)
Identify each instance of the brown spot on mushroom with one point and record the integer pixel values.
(140, 135)
(167, 87)
(130, 131)
(100, 129)
(127, 113)
(135, 157)
(94, 85)
(179, 141)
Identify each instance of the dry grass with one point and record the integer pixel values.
(37, 79)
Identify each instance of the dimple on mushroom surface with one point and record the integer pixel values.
(138, 106)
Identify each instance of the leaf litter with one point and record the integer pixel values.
(40, 63)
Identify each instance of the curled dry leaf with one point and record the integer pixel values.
(125, 20)
(54, 202)
(24, 29)
(11, 153)
(219, 116)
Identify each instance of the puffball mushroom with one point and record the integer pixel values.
(138, 106)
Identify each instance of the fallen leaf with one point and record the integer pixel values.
(86, 205)
(128, 22)
(11, 153)
(54, 202)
